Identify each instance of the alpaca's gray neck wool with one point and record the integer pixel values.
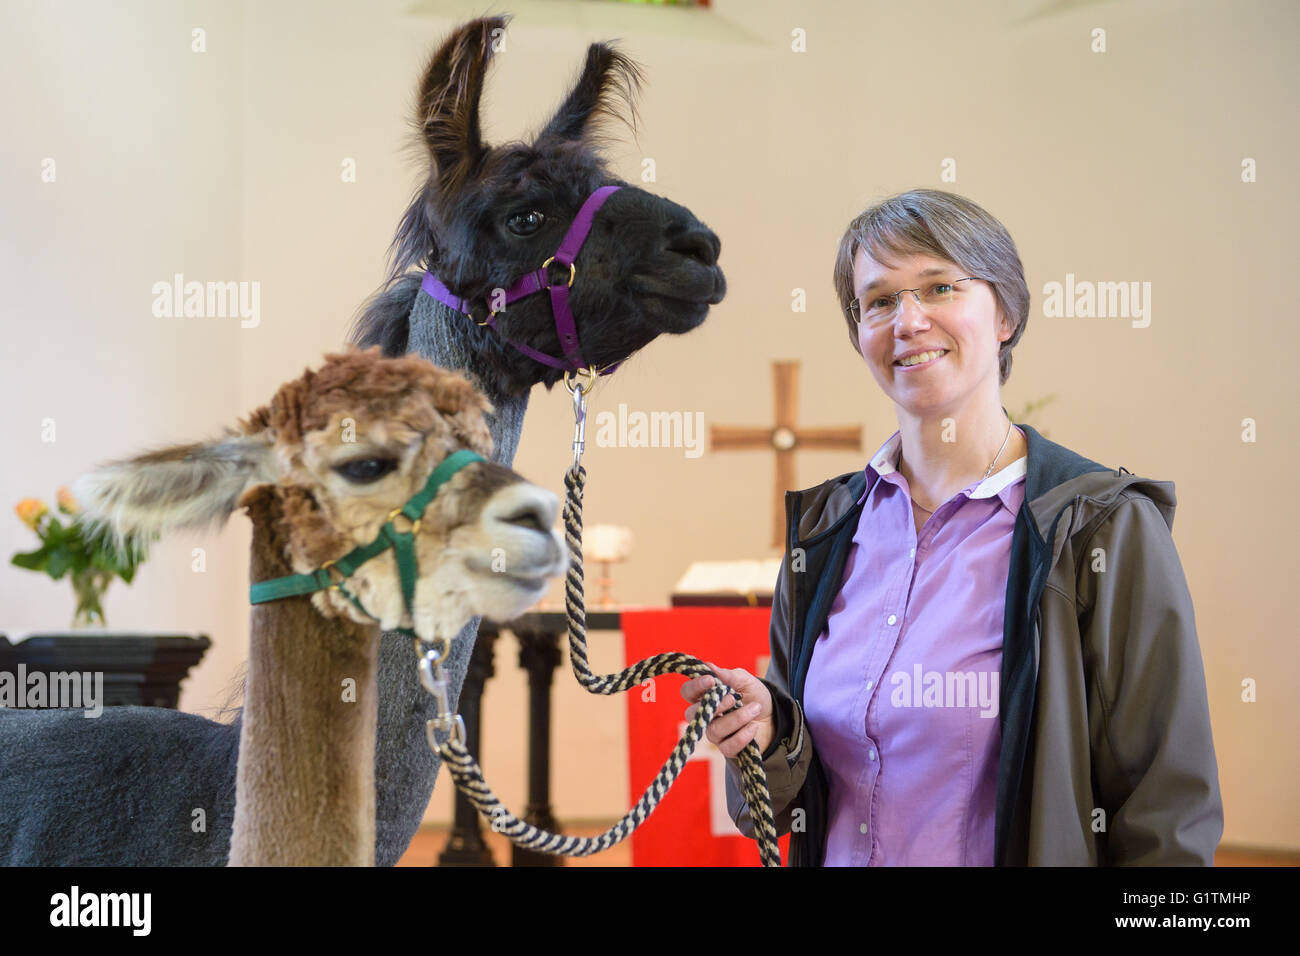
(405, 768)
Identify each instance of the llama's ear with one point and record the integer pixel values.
(449, 96)
(607, 89)
(179, 486)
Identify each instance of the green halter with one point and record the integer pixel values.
(402, 543)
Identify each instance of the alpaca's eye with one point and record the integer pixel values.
(365, 470)
(525, 223)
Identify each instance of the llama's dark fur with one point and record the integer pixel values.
(641, 249)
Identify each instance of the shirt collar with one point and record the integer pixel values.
(885, 461)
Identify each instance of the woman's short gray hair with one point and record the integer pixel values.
(946, 226)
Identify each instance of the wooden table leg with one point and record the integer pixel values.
(466, 846)
(539, 654)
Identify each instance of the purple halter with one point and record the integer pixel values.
(537, 281)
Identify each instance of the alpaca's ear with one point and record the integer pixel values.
(179, 486)
(449, 96)
(607, 89)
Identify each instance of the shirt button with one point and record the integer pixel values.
(892, 619)
(912, 553)
(871, 754)
(870, 684)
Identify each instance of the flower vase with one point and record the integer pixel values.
(90, 586)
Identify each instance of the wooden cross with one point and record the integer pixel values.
(785, 438)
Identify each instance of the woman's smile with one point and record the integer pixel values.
(928, 359)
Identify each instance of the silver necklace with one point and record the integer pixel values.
(987, 473)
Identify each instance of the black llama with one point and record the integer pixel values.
(483, 223)
(125, 789)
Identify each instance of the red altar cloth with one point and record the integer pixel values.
(691, 826)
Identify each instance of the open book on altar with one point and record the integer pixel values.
(727, 584)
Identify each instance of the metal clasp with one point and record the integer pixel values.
(579, 415)
(451, 724)
(431, 676)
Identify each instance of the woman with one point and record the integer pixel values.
(983, 649)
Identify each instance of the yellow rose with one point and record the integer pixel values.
(67, 504)
(30, 511)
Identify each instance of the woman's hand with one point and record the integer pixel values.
(732, 731)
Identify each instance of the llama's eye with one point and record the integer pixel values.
(525, 223)
(365, 470)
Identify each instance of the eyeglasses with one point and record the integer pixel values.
(934, 297)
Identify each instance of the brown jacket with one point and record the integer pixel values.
(1107, 756)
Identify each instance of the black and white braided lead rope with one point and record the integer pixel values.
(469, 778)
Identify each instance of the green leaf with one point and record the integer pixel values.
(103, 561)
(61, 561)
(55, 532)
(32, 560)
(97, 550)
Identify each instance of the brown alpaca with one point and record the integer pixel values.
(319, 471)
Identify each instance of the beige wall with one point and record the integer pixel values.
(146, 140)
(1118, 166)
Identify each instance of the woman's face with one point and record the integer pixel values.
(969, 329)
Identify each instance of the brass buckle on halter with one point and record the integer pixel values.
(415, 525)
(573, 272)
(591, 374)
(342, 577)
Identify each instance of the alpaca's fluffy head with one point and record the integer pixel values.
(339, 449)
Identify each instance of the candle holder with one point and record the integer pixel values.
(606, 545)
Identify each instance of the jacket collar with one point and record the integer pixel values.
(1055, 477)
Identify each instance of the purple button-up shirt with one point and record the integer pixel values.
(901, 696)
